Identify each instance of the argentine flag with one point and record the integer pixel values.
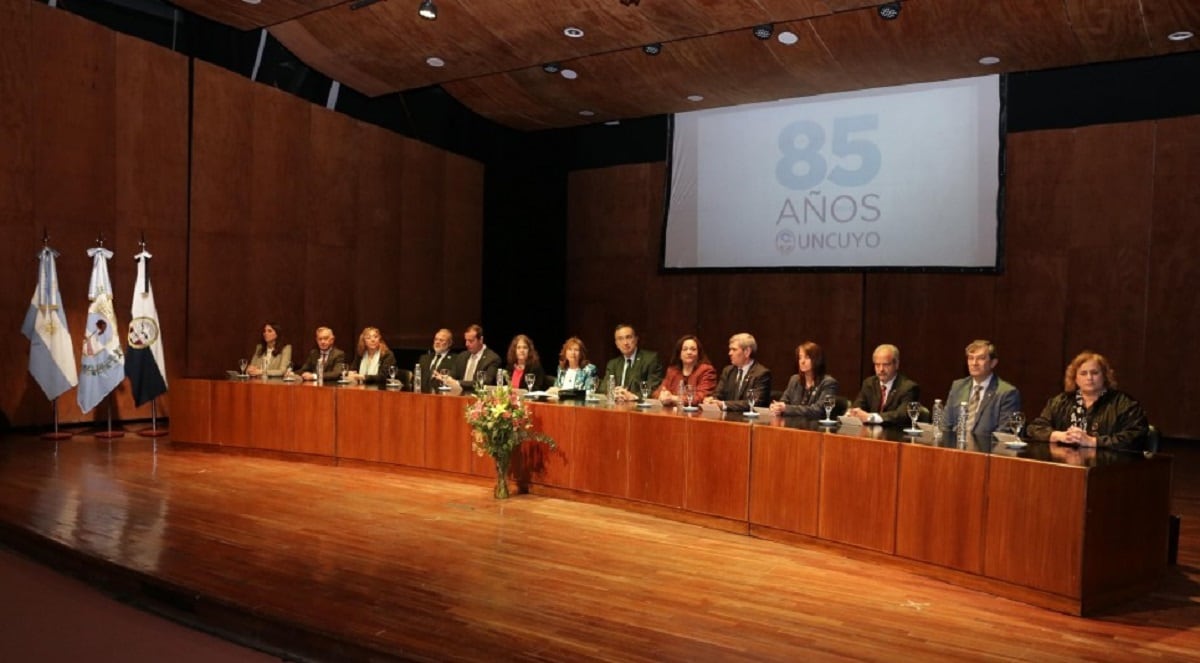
(143, 351)
(51, 356)
(102, 364)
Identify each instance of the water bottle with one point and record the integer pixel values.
(960, 426)
(612, 388)
(264, 368)
(417, 378)
(320, 371)
(939, 413)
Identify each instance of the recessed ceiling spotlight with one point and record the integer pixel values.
(612, 123)
(763, 31)
(989, 60)
(695, 97)
(572, 32)
(587, 113)
(889, 11)
(652, 49)
(787, 38)
(252, 2)
(1181, 35)
(428, 10)
(569, 74)
(435, 61)
(552, 67)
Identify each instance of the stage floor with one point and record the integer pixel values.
(319, 562)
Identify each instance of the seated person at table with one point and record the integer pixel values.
(633, 366)
(743, 376)
(435, 361)
(1091, 412)
(373, 358)
(885, 396)
(332, 359)
(807, 389)
(990, 400)
(574, 369)
(523, 361)
(477, 358)
(689, 365)
(273, 351)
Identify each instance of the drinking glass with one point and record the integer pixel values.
(689, 395)
(644, 389)
(828, 402)
(391, 371)
(589, 388)
(341, 369)
(1016, 422)
(242, 364)
(287, 371)
(751, 395)
(480, 378)
(530, 378)
(914, 411)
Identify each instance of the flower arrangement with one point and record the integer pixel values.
(500, 421)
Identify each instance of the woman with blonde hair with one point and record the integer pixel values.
(373, 358)
(574, 369)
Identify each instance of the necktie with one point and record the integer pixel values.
(469, 375)
(625, 371)
(882, 395)
(437, 360)
(741, 383)
(973, 408)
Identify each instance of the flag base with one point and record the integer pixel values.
(57, 435)
(153, 432)
(109, 434)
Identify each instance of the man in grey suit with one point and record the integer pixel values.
(743, 376)
(476, 359)
(633, 366)
(988, 400)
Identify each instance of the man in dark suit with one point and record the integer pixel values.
(743, 375)
(330, 358)
(633, 366)
(437, 359)
(477, 358)
(987, 400)
(884, 397)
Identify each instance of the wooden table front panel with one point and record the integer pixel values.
(402, 428)
(191, 410)
(359, 422)
(1034, 527)
(231, 414)
(447, 435)
(658, 459)
(539, 463)
(600, 463)
(313, 414)
(785, 478)
(858, 491)
(272, 422)
(939, 515)
(718, 468)
(1127, 526)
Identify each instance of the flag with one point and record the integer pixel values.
(102, 364)
(143, 351)
(51, 355)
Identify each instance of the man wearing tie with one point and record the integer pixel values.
(476, 358)
(437, 359)
(989, 399)
(742, 375)
(885, 396)
(330, 358)
(633, 366)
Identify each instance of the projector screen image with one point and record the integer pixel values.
(902, 177)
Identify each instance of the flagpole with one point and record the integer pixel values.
(56, 435)
(110, 434)
(153, 430)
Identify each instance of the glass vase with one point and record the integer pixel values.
(501, 490)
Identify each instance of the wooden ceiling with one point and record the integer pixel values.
(494, 49)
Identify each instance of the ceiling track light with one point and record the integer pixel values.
(763, 31)
(428, 10)
(889, 11)
(652, 49)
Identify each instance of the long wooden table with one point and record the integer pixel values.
(1068, 530)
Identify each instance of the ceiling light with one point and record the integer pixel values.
(763, 31)
(989, 60)
(1182, 35)
(889, 11)
(652, 49)
(569, 74)
(252, 2)
(428, 10)
(435, 61)
(695, 97)
(787, 38)
(572, 32)
(552, 67)
(587, 113)
(612, 123)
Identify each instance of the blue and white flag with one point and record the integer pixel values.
(143, 351)
(102, 364)
(51, 355)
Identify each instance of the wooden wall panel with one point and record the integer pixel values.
(378, 161)
(1173, 318)
(456, 203)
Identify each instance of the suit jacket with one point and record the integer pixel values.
(645, 367)
(331, 372)
(895, 410)
(808, 405)
(535, 370)
(582, 375)
(426, 360)
(385, 360)
(999, 400)
(703, 379)
(489, 362)
(277, 363)
(734, 394)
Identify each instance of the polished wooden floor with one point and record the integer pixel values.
(317, 562)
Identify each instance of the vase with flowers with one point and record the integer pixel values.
(500, 422)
